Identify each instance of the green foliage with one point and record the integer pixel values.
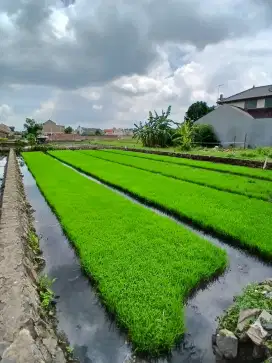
(204, 135)
(43, 148)
(33, 242)
(157, 132)
(233, 216)
(98, 132)
(197, 110)
(70, 350)
(68, 130)
(31, 139)
(251, 298)
(45, 292)
(243, 185)
(223, 168)
(32, 128)
(185, 135)
(145, 265)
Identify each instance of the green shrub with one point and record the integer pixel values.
(45, 292)
(204, 135)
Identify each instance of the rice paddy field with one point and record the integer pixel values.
(145, 265)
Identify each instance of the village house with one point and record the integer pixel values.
(243, 119)
(87, 131)
(118, 132)
(50, 127)
(5, 131)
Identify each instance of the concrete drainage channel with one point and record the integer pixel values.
(25, 336)
(94, 336)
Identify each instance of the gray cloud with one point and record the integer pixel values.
(184, 48)
(108, 40)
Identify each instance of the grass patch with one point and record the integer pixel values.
(223, 168)
(235, 217)
(260, 189)
(251, 298)
(33, 242)
(145, 265)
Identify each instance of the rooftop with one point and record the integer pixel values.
(5, 128)
(254, 92)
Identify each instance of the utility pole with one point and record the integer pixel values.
(218, 89)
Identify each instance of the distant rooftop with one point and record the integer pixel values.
(254, 92)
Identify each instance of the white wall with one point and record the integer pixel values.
(241, 104)
(238, 104)
(260, 103)
(230, 122)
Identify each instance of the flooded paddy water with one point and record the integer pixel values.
(3, 161)
(94, 335)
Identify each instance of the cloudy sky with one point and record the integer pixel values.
(105, 63)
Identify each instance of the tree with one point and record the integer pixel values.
(32, 128)
(197, 110)
(31, 139)
(98, 132)
(204, 135)
(185, 135)
(157, 132)
(68, 130)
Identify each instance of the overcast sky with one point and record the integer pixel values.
(105, 63)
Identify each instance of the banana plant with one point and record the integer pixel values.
(157, 131)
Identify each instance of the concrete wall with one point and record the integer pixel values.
(238, 104)
(241, 104)
(231, 123)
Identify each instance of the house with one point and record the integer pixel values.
(87, 131)
(5, 131)
(108, 132)
(118, 132)
(257, 101)
(50, 127)
(244, 119)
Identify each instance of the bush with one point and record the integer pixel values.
(204, 135)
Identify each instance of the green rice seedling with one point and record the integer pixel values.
(223, 168)
(236, 217)
(260, 189)
(145, 265)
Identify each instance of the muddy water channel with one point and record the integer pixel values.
(3, 161)
(90, 330)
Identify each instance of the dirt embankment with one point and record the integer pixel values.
(25, 336)
(214, 159)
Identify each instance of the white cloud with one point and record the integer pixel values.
(5, 113)
(97, 107)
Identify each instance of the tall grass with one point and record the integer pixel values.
(239, 218)
(145, 265)
(223, 168)
(260, 189)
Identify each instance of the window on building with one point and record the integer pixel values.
(251, 104)
(268, 102)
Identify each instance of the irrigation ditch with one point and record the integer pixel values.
(92, 332)
(27, 332)
(3, 161)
